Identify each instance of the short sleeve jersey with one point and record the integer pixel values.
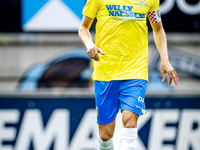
(122, 34)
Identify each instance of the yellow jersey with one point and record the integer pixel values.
(122, 34)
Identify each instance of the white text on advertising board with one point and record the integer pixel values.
(57, 130)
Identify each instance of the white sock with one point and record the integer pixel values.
(129, 139)
(106, 145)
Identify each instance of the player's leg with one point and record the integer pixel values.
(107, 105)
(129, 130)
(129, 119)
(106, 136)
(131, 97)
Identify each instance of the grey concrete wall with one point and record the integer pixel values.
(20, 51)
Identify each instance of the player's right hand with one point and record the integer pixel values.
(93, 53)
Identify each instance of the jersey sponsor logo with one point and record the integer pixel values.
(142, 1)
(123, 11)
(119, 10)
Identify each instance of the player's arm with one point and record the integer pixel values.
(161, 44)
(86, 38)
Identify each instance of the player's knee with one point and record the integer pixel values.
(129, 119)
(129, 122)
(105, 135)
(106, 131)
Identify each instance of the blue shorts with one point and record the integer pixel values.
(124, 94)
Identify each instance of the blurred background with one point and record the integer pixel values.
(46, 91)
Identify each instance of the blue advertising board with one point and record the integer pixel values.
(70, 124)
(51, 15)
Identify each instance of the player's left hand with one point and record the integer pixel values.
(167, 68)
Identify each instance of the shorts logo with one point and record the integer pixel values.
(142, 1)
(97, 111)
(140, 99)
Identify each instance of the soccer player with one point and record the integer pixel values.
(121, 62)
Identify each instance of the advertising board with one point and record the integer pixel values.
(64, 15)
(70, 124)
